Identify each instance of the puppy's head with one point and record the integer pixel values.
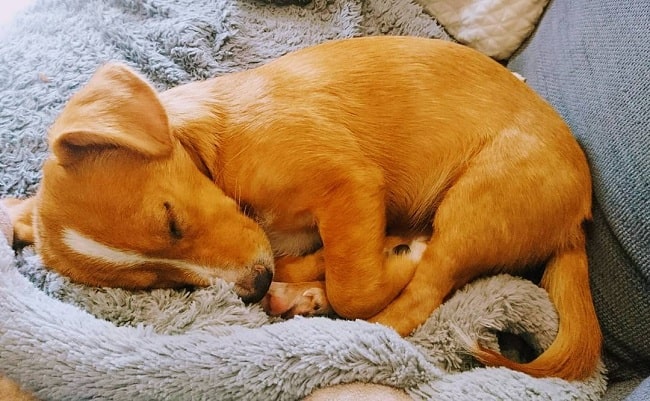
(123, 204)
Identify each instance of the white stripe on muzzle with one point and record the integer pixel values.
(121, 259)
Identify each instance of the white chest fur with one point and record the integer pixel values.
(298, 237)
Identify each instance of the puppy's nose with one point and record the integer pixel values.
(263, 279)
(261, 283)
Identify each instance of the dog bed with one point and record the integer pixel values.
(64, 341)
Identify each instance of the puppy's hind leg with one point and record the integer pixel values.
(495, 218)
(436, 276)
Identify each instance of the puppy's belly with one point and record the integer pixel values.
(294, 243)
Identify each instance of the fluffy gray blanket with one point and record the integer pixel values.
(70, 342)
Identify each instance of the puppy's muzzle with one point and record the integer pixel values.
(260, 281)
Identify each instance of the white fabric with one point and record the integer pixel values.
(494, 27)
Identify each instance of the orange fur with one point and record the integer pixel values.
(11, 391)
(335, 145)
(295, 290)
(20, 214)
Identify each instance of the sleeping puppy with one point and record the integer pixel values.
(335, 147)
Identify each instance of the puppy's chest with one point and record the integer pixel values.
(294, 234)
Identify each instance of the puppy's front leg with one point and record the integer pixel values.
(351, 221)
(298, 269)
(288, 299)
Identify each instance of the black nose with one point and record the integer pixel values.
(261, 283)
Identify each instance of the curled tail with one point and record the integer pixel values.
(575, 352)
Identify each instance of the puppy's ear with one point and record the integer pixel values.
(116, 110)
(20, 213)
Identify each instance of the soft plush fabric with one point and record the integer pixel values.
(494, 27)
(591, 60)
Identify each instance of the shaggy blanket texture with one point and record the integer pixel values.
(207, 344)
(65, 341)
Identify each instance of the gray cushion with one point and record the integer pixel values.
(591, 60)
(642, 393)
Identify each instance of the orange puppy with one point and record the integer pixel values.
(333, 146)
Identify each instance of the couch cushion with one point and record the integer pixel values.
(494, 27)
(591, 60)
(641, 393)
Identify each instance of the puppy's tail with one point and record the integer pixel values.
(575, 352)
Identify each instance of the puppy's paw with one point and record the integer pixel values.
(292, 299)
(313, 302)
(402, 257)
(409, 249)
